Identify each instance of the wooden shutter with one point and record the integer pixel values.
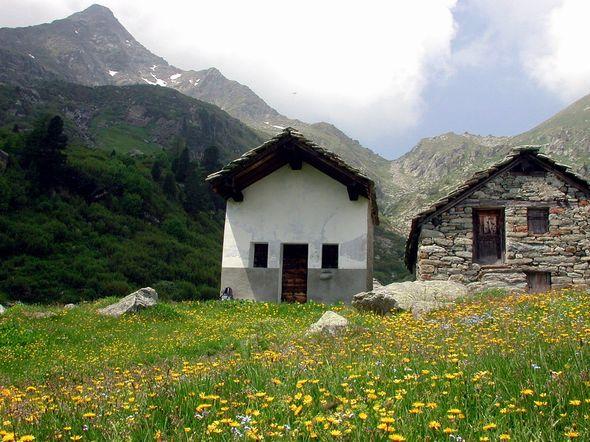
(538, 220)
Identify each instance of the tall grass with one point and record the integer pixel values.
(495, 368)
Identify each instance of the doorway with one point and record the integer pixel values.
(294, 285)
(538, 282)
(488, 236)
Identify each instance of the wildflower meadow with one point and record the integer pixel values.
(493, 368)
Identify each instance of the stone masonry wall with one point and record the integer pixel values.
(445, 248)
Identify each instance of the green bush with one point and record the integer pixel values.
(176, 290)
(107, 231)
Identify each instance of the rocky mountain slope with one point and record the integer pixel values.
(136, 119)
(92, 48)
(436, 165)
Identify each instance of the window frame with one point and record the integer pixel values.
(331, 265)
(544, 218)
(256, 264)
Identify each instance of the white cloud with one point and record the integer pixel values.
(560, 62)
(547, 39)
(360, 64)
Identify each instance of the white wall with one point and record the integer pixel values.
(296, 206)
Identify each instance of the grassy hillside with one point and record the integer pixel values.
(107, 228)
(492, 368)
(142, 118)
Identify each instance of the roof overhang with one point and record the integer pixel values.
(290, 147)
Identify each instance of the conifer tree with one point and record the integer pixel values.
(169, 187)
(197, 195)
(183, 165)
(43, 154)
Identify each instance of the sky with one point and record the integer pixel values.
(387, 73)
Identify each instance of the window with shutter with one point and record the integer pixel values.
(538, 220)
(261, 255)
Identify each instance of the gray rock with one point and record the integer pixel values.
(415, 296)
(2, 309)
(41, 315)
(376, 301)
(69, 306)
(330, 323)
(143, 298)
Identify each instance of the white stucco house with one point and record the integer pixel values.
(298, 225)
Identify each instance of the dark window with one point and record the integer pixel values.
(488, 236)
(538, 220)
(329, 256)
(538, 282)
(261, 255)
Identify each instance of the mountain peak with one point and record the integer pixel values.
(213, 72)
(93, 12)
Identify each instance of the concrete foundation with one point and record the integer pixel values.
(323, 285)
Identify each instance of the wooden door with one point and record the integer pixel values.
(488, 236)
(294, 287)
(538, 282)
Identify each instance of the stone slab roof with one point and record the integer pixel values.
(290, 147)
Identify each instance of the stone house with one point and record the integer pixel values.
(298, 224)
(524, 224)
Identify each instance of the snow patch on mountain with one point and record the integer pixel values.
(175, 76)
(113, 73)
(158, 81)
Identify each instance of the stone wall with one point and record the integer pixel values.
(445, 248)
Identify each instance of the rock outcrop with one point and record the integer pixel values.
(2, 309)
(415, 296)
(330, 323)
(143, 298)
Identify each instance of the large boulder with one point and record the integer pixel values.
(330, 323)
(143, 298)
(377, 301)
(415, 296)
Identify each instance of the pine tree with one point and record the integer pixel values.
(197, 197)
(157, 170)
(169, 187)
(183, 165)
(210, 161)
(43, 154)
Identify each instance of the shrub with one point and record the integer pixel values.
(176, 290)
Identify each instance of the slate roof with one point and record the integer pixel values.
(478, 180)
(276, 152)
